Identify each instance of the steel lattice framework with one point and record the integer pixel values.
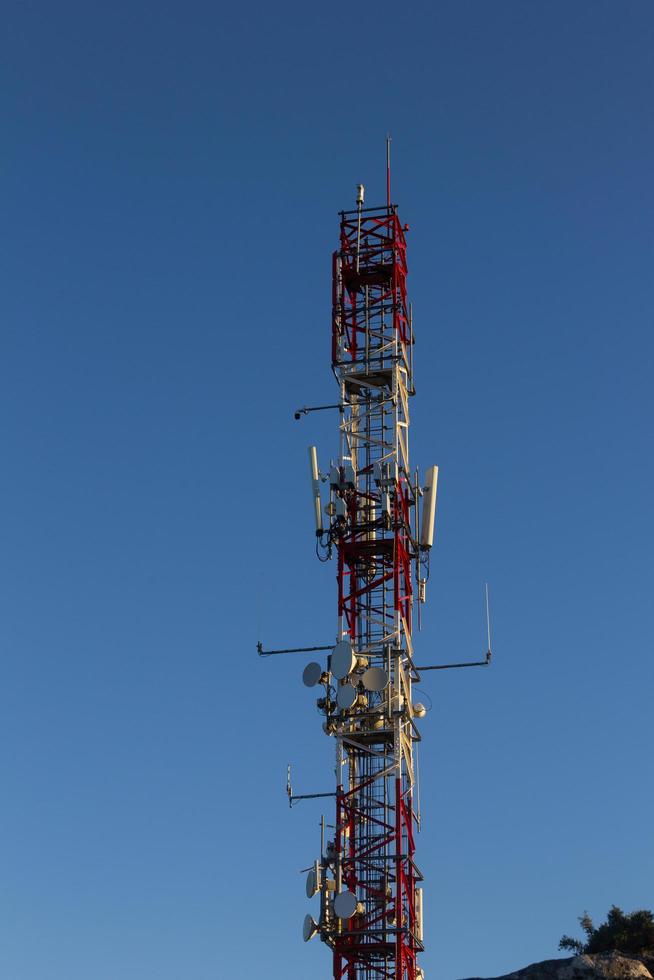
(380, 526)
(367, 878)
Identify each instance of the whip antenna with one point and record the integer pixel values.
(388, 170)
(488, 626)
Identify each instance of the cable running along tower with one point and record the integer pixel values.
(378, 525)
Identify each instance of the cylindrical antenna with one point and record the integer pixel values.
(388, 169)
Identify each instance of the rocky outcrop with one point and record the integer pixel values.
(588, 966)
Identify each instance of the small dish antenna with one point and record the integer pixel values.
(346, 696)
(375, 679)
(311, 674)
(343, 660)
(345, 905)
(309, 928)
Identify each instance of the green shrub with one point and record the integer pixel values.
(630, 933)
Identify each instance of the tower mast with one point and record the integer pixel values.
(379, 524)
(367, 877)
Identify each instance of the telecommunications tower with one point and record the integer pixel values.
(378, 524)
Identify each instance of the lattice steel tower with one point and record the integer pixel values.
(379, 523)
(367, 877)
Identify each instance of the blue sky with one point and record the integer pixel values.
(171, 176)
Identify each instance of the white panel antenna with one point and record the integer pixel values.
(429, 508)
(313, 881)
(419, 914)
(315, 488)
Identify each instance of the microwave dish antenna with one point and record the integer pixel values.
(375, 679)
(343, 660)
(346, 696)
(309, 928)
(311, 674)
(345, 905)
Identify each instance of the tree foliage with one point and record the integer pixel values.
(630, 933)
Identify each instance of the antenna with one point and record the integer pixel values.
(488, 626)
(342, 661)
(292, 797)
(315, 488)
(468, 663)
(311, 674)
(388, 170)
(360, 197)
(429, 509)
(309, 928)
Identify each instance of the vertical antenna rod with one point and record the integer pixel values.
(488, 626)
(388, 170)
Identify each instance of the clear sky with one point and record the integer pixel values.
(171, 176)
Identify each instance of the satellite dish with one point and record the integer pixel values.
(343, 660)
(312, 883)
(346, 696)
(375, 679)
(345, 905)
(309, 928)
(311, 674)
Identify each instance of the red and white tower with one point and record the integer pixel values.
(378, 524)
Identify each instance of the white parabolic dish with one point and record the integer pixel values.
(375, 679)
(345, 905)
(343, 660)
(346, 696)
(309, 928)
(311, 674)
